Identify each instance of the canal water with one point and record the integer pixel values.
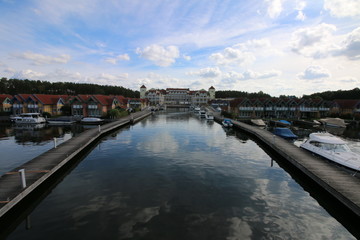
(176, 176)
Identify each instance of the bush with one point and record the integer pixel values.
(116, 113)
(46, 115)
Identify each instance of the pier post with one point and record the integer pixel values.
(22, 176)
(55, 142)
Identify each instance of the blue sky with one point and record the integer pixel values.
(281, 47)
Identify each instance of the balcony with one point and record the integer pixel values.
(17, 106)
(246, 108)
(77, 106)
(32, 106)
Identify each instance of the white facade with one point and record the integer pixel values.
(177, 96)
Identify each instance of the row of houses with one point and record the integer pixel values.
(288, 107)
(80, 105)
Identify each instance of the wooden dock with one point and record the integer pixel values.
(339, 184)
(41, 168)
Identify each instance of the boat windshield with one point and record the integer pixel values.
(332, 147)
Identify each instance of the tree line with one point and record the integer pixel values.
(327, 95)
(339, 94)
(17, 86)
(240, 94)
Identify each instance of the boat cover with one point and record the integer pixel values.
(326, 138)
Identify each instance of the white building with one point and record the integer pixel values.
(177, 96)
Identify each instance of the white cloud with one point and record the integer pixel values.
(28, 74)
(342, 8)
(186, 57)
(350, 47)
(249, 74)
(109, 79)
(313, 41)
(160, 55)
(207, 72)
(232, 77)
(301, 16)
(124, 57)
(315, 72)
(233, 56)
(156, 80)
(40, 59)
(275, 8)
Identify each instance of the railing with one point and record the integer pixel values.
(32, 106)
(246, 108)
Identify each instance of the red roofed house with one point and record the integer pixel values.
(95, 105)
(5, 103)
(50, 103)
(346, 107)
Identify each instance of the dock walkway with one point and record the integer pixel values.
(344, 187)
(41, 168)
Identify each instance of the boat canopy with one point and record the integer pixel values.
(326, 138)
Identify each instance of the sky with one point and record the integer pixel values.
(280, 47)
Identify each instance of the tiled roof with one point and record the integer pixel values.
(50, 99)
(4, 96)
(104, 100)
(349, 104)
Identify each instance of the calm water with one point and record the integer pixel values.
(174, 176)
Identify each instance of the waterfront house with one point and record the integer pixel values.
(50, 103)
(5, 103)
(24, 103)
(343, 107)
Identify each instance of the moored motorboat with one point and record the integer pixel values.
(258, 122)
(227, 123)
(91, 120)
(285, 133)
(332, 148)
(333, 122)
(29, 118)
(209, 116)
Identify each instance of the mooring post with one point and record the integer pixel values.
(99, 128)
(22, 176)
(55, 145)
(273, 139)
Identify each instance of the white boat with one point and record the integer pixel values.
(227, 123)
(91, 120)
(332, 148)
(209, 116)
(202, 113)
(333, 122)
(197, 110)
(29, 118)
(258, 122)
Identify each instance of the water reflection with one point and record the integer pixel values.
(21, 143)
(180, 180)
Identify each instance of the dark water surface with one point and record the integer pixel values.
(175, 176)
